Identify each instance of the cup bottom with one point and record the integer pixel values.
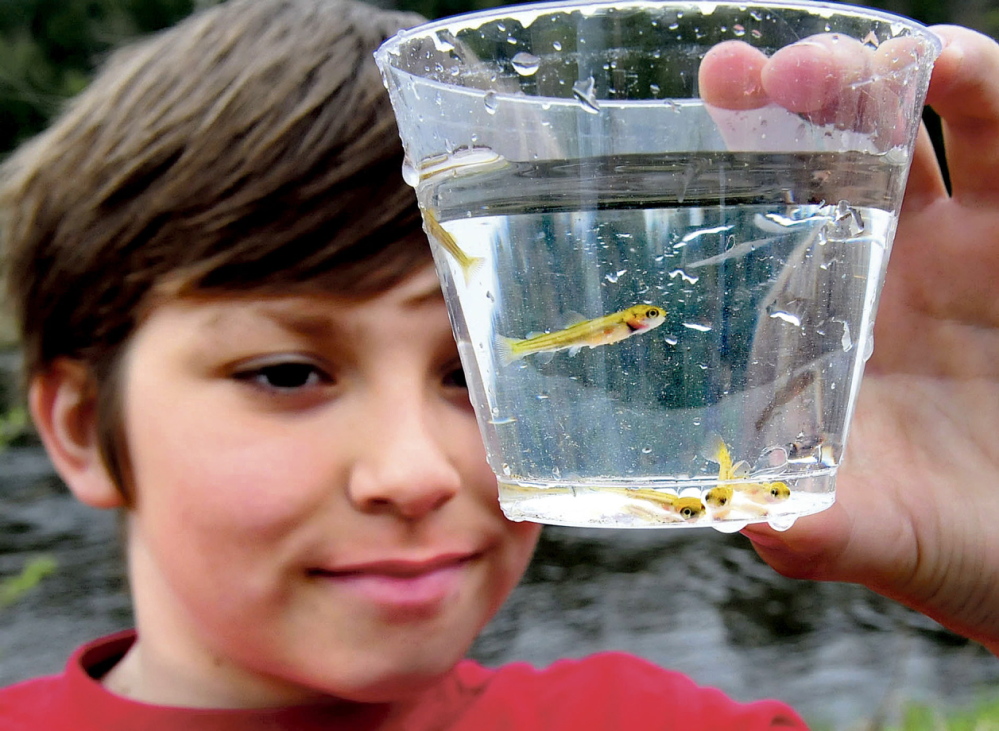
(726, 507)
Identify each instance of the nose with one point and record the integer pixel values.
(403, 466)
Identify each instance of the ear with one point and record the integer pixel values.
(63, 403)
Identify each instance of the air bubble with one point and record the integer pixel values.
(612, 277)
(490, 101)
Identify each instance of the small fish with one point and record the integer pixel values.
(469, 264)
(719, 499)
(684, 508)
(588, 333)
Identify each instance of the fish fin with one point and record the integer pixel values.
(574, 349)
(505, 349)
(471, 267)
(715, 450)
(545, 356)
(573, 318)
(740, 469)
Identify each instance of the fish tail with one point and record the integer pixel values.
(507, 349)
(470, 266)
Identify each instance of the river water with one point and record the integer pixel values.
(695, 600)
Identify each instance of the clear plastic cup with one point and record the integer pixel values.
(663, 308)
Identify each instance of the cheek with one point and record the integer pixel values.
(225, 480)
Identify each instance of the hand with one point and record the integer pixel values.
(917, 510)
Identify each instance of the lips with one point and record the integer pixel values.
(401, 587)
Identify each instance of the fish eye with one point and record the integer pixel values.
(687, 512)
(652, 312)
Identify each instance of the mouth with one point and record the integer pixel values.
(404, 587)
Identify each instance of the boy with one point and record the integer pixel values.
(232, 330)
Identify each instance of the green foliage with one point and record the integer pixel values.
(14, 424)
(49, 49)
(13, 588)
(920, 717)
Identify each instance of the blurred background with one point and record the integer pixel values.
(697, 601)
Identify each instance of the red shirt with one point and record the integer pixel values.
(604, 691)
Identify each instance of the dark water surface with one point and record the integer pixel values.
(696, 601)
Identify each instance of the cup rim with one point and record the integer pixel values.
(819, 8)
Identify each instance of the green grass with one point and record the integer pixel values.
(983, 716)
(14, 587)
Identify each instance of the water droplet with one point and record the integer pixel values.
(869, 347)
(671, 340)
(557, 46)
(444, 40)
(738, 30)
(583, 90)
(646, 450)
(755, 33)
(409, 172)
(490, 101)
(526, 64)
(506, 470)
(730, 526)
(781, 522)
(786, 317)
(846, 342)
(684, 276)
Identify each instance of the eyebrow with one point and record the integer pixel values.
(431, 295)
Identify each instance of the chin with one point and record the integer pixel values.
(396, 679)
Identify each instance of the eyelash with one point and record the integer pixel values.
(289, 376)
(275, 376)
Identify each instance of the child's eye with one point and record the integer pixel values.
(455, 378)
(285, 375)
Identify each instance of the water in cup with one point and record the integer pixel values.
(765, 268)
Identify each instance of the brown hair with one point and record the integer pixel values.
(249, 148)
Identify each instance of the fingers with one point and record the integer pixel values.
(926, 181)
(964, 91)
(828, 79)
(730, 76)
(811, 76)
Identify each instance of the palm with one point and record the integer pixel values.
(916, 495)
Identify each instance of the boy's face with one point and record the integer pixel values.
(314, 513)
